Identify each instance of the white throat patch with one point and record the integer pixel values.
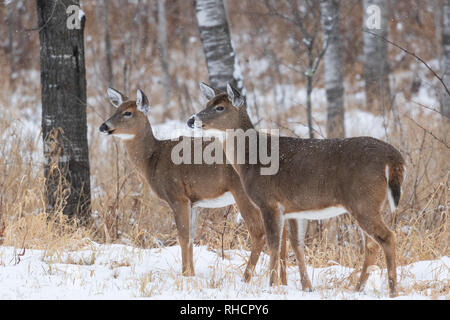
(124, 136)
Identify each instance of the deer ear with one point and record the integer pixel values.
(115, 97)
(208, 91)
(235, 96)
(142, 102)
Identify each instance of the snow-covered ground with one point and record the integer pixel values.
(123, 272)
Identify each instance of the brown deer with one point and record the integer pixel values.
(185, 187)
(316, 179)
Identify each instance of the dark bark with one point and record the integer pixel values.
(64, 128)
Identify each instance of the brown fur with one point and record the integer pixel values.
(182, 185)
(315, 174)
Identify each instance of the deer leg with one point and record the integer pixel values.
(297, 230)
(370, 253)
(192, 234)
(193, 224)
(283, 258)
(182, 217)
(273, 223)
(253, 220)
(386, 239)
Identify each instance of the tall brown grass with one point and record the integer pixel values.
(125, 211)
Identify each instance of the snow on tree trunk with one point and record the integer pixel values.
(376, 65)
(215, 35)
(334, 83)
(64, 128)
(445, 106)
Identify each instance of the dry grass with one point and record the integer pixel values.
(125, 211)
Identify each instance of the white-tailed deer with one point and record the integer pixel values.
(185, 187)
(317, 179)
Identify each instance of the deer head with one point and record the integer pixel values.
(223, 110)
(130, 118)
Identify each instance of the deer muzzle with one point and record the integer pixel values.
(191, 122)
(104, 128)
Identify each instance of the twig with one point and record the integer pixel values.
(429, 108)
(414, 55)
(22, 253)
(430, 133)
(39, 28)
(223, 230)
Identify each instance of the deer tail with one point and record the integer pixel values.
(395, 175)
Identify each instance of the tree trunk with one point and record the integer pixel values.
(309, 106)
(164, 52)
(445, 106)
(376, 65)
(215, 35)
(334, 82)
(11, 21)
(64, 129)
(107, 41)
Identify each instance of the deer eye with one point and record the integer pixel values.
(220, 108)
(127, 114)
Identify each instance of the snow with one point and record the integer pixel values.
(123, 272)
(361, 123)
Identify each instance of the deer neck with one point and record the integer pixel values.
(244, 124)
(141, 147)
(244, 120)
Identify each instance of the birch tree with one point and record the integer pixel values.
(164, 51)
(445, 106)
(215, 36)
(64, 129)
(11, 17)
(107, 42)
(334, 83)
(376, 64)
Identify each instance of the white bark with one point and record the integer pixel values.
(164, 51)
(445, 107)
(107, 42)
(215, 35)
(376, 65)
(334, 83)
(438, 13)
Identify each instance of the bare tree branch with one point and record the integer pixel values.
(414, 55)
(430, 133)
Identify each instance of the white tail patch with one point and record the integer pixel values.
(389, 191)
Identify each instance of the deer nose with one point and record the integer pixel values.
(104, 128)
(191, 121)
